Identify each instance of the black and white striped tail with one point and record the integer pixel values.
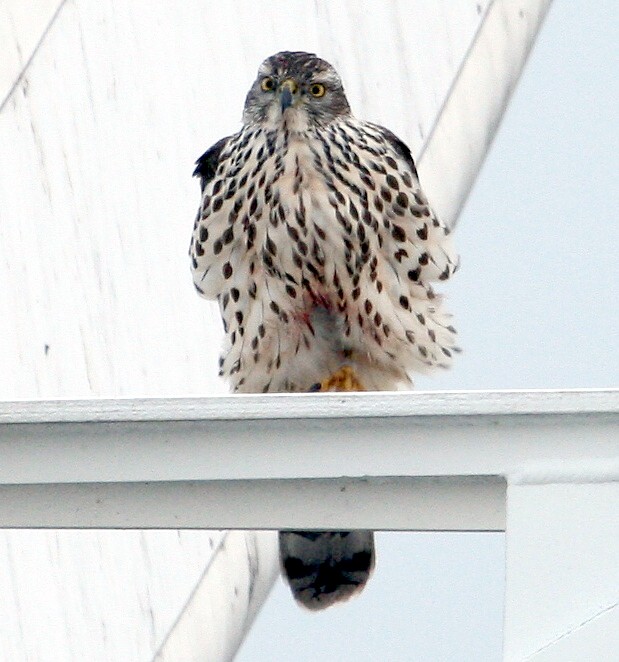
(326, 567)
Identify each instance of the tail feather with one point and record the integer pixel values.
(326, 567)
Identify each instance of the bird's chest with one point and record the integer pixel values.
(300, 187)
(296, 228)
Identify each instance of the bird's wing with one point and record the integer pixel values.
(431, 255)
(206, 165)
(401, 148)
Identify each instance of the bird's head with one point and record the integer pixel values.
(297, 90)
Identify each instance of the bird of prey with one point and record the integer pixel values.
(319, 245)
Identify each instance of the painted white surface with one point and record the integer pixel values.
(95, 200)
(390, 503)
(225, 601)
(566, 535)
(23, 24)
(519, 431)
(283, 406)
(229, 462)
(595, 638)
(72, 596)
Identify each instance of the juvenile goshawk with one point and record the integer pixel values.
(318, 243)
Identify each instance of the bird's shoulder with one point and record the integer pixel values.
(206, 165)
(397, 145)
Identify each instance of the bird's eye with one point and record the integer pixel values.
(267, 84)
(317, 90)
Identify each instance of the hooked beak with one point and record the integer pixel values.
(288, 91)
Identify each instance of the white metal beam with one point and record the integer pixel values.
(225, 601)
(387, 460)
(562, 581)
(398, 503)
(454, 152)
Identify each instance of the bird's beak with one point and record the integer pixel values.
(287, 92)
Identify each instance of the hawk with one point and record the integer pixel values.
(319, 245)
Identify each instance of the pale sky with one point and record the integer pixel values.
(536, 306)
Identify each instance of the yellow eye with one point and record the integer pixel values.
(267, 84)
(317, 90)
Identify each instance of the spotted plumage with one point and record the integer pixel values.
(318, 243)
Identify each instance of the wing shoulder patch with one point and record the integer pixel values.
(206, 165)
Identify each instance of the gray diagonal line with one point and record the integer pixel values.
(32, 55)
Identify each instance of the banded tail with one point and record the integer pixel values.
(323, 568)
